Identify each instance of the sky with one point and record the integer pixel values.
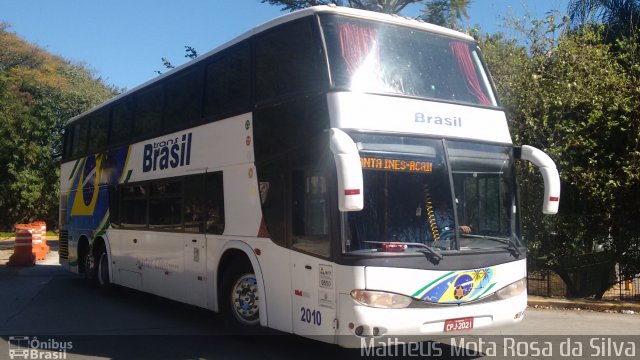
(123, 41)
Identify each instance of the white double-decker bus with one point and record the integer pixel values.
(333, 173)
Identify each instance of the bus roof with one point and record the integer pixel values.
(320, 9)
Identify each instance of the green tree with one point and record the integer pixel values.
(385, 6)
(440, 12)
(39, 92)
(622, 17)
(190, 52)
(446, 12)
(576, 97)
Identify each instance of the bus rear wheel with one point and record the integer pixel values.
(102, 275)
(240, 297)
(89, 263)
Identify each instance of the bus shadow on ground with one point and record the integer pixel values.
(68, 316)
(213, 347)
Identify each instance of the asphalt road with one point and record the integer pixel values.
(47, 309)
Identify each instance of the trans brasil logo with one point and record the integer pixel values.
(167, 154)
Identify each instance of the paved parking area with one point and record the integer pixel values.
(6, 250)
(47, 303)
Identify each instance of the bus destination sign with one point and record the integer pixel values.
(373, 163)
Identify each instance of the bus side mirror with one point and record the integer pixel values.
(549, 174)
(349, 171)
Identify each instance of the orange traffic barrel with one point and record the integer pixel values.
(22, 253)
(40, 247)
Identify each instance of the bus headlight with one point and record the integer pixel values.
(512, 290)
(381, 299)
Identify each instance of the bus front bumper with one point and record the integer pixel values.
(359, 325)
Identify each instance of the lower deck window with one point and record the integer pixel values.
(193, 204)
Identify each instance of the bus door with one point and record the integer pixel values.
(195, 270)
(313, 282)
(203, 219)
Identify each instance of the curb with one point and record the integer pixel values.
(12, 239)
(583, 304)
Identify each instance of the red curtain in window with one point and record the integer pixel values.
(465, 63)
(356, 43)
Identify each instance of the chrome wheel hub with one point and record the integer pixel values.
(244, 299)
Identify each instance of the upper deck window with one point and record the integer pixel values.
(228, 88)
(375, 57)
(148, 111)
(288, 59)
(184, 98)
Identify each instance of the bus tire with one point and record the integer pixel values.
(240, 297)
(102, 271)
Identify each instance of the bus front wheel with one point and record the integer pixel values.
(240, 297)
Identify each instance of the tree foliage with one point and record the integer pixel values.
(440, 12)
(190, 52)
(385, 6)
(446, 12)
(621, 17)
(576, 96)
(38, 93)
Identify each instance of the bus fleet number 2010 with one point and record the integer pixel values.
(310, 316)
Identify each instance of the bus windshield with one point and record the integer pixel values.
(375, 57)
(408, 197)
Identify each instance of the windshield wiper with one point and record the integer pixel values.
(425, 249)
(510, 245)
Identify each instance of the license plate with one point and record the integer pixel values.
(458, 324)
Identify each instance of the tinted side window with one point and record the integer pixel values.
(184, 98)
(288, 59)
(133, 206)
(68, 142)
(295, 198)
(98, 130)
(194, 204)
(165, 205)
(280, 128)
(121, 121)
(272, 182)
(229, 83)
(80, 138)
(148, 115)
(114, 206)
(310, 216)
(214, 194)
